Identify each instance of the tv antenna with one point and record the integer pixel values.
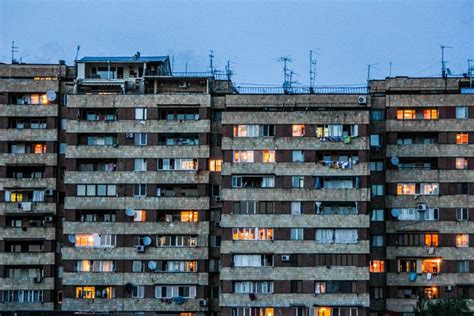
(444, 71)
(369, 68)
(211, 61)
(312, 69)
(229, 73)
(390, 69)
(14, 50)
(470, 71)
(78, 48)
(286, 71)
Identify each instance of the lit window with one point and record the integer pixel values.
(461, 163)
(322, 311)
(85, 240)
(431, 240)
(252, 234)
(406, 114)
(462, 112)
(430, 114)
(462, 240)
(429, 188)
(215, 165)
(189, 216)
(297, 130)
(139, 216)
(246, 131)
(406, 188)
(377, 266)
(243, 156)
(462, 138)
(268, 156)
(432, 292)
(87, 292)
(39, 149)
(431, 266)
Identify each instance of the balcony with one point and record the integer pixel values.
(15, 134)
(27, 307)
(137, 151)
(168, 177)
(291, 246)
(431, 150)
(284, 220)
(273, 99)
(291, 143)
(138, 100)
(28, 85)
(442, 227)
(29, 110)
(24, 258)
(26, 284)
(441, 201)
(28, 159)
(447, 253)
(149, 278)
(137, 228)
(130, 305)
(441, 279)
(18, 208)
(420, 175)
(130, 253)
(443, 125)
(293, 169)
(28, 183)
(14, 233)
(147, 203)
(274, 194)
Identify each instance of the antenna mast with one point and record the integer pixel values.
(14, 50)
(444, 70)
(470, 71)
(228, 72)
(286, 74)
(312, 70)
(211, 61)
(77, 52)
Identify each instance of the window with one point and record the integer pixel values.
(138, 291)
(462, 214)
(377, 215)
(406, 189)
(140, 164)
(375, 140)
(138, 266)
(216, 191)
(376, 166)
(377, 189)
(39, 149)
(296, 208)
(256, 287)
(95, 240)
(252, 260)
(463, 266)
(92, 292)
(462, 112)
(170, 291)
(429, 188)
(23, 296)
(462, 240)
(377, 115)
(215, 165)
(139, 216)
(176, 241)
(461, 163)
(430, 114)
(246, 131)
(377, 293)
(431, 240)
(243, 156)
(376, 241)
(139, 190)
(140, 114)
(408, 114)
(337, 236)
(297, 182)
(297, 130)
(319, 287)
(177, 164)
(376, 266)
(297, 234)
(298, 156)
(189, 216)
(252, 233)
(268, 156)
(96, 190)
(62, 148)
(140, 139)
(462, 138)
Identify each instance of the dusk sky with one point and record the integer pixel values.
(348, 35)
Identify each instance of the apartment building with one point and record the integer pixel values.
(128, 188)
(429, 186)
(295, 205)
(31, 196)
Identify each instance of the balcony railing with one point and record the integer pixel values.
(301, 90)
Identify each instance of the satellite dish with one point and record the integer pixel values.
(128, 287)
(395, 212)
(130, 212)
(51, 95)
(147, 240)
(72, 239)
(152, 265)
(395, 161)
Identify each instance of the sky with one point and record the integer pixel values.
(345, 35)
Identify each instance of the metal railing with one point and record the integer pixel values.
(301, 90)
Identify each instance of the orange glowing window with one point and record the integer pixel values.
(431, 266)
(377, 266)
(406, 188)
(462, 138)
(267, 311)
(268, 155)
(462, 240)
(215, 165)
(84, 240)
(406, 114)
(87, 292)
(322, 311)
(430, 114)
(431, 240)
(139, 216)
(431, 292)
(189, 216)
(297, 130)
(461, 163)
(39, 149)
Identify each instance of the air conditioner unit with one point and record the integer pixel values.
(48, 191)
(285, 258)
(141, 248)
(448, 288)
(182, 84)
(38, 279)
(431, 250)
(48, 218)
(421, 207)
(129, 135)
(362, 99)
(203, 303)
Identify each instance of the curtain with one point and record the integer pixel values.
(38, 196)
(346, 236)
(8, 195)
(324, 236)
